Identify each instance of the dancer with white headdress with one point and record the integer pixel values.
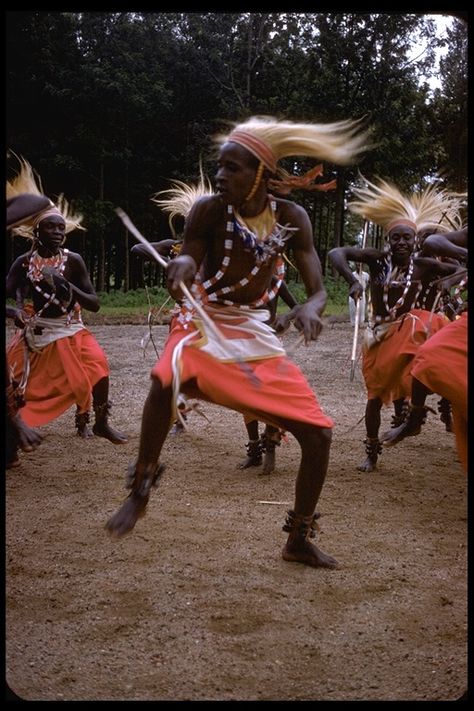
(54, 358)
(404, 293)
(233, 245)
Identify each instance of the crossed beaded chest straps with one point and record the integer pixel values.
(264, 243)
(34, 273)
(391, 277)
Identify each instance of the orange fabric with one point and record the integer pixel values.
(271, 390)
(441, 365)
(61, 374)
(386, 365)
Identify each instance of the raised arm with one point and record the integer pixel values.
(340, 258)
(195, 244)
(163, 248)
(451, 244)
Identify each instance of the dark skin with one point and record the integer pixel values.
(18, 434)
(401, 240)
(203, 247)
(74, 285)
(75, 277)
(450, 245)
(163, 248)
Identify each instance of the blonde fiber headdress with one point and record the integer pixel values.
(27, 181)
(270, 140)
(438, 209)
(385, 205)
(181, 197)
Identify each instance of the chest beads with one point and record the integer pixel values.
(263, 250)
(392, 277)
(36, 264)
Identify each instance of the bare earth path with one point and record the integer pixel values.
(197, 604)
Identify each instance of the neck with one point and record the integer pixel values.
(47, 251)
(400, 261)
(256, 205)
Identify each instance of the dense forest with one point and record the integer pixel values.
(109, 107)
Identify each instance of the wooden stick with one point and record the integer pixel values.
(356, 325)
(276, 503)
(131, 227)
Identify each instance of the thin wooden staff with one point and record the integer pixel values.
(357, 312)
(208, 321)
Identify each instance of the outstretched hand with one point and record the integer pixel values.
(307, 320)
(181, 269)
(28, 438)
(61, 286)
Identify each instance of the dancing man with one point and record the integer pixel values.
(219, 348)
(18, 435)
(440, 365)
(56, 361)
(403, 293)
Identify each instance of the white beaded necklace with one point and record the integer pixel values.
(34, 273)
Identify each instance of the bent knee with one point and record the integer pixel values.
(324, 435)
(320, 435)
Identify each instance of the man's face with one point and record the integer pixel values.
(236, 172)
(402, 241)
(52, 231)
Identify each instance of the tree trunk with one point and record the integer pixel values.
(101, 260)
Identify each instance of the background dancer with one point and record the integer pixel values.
(56, 360)
(403, 294)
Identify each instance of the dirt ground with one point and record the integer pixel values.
(197, 603)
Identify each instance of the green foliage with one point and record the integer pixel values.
(134, 298)
(110, 106)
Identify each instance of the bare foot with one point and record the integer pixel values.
(28, 438)
(85, 433)
(108, 432)
(123, 521)
(368, 466)
(302, 551)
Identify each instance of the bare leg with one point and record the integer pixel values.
(100, 394)
(156, 423)
(254, 446)
(271, 439)
(372, 426)
(415, 419)
(315, 443)
(18, 434)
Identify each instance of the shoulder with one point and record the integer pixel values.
(287, 209)
(21, 262)
(74, 258)
(208, 206)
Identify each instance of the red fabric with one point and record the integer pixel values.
(441, 365)
(271, 390)
(61, 374)
(386, 365)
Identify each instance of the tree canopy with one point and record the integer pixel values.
(109, 107)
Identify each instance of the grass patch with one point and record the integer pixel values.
(133, 306)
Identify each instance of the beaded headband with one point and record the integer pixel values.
(257, 147)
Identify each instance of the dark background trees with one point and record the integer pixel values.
(109, 106)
